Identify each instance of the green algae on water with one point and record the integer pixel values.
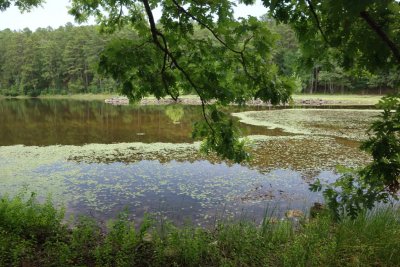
(343, 123)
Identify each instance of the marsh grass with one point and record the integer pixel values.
(35, 234)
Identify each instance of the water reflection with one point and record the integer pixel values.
(195, 191)
(175, 113)
(67, 122)
(168, 178)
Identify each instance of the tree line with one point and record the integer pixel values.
(54, 61)
(65, 61)
(323, 71)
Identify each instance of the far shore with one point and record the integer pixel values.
(298, 99)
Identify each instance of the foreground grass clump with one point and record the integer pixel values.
(34, 234)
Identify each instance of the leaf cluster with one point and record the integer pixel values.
(23, 5)
(365, 32)
(378, 181)
(196, 46)
(222, 137)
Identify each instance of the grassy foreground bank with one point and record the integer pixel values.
(34, 234)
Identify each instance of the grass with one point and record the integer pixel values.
(35, 234)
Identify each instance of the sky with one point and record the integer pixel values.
(54, 14)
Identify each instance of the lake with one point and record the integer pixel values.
(98, 159)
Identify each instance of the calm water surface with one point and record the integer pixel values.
(68, 122)
(177, 186)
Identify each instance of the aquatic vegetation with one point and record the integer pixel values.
(304, 153)
(170, 179)
(101, 179)
(343, 123)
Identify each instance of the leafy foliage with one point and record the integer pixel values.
(379, 181)
(364, 31)
(65, 61)
(384, 146)
(44, 240)
(362, 35)
(346, 46)
(221, 136)
(54, 61)
(195, 46)
(23, 5)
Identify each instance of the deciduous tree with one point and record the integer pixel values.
(23, 5)
(232, 62)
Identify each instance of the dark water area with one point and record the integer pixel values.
(73, 151)
(66, 122)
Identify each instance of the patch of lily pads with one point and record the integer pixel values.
(343, 123)
(306, 154)
(175, 180)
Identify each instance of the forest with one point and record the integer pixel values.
(65, 61)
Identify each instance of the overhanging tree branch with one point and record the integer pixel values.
(164, 80)
(312, 10)
(216, 36)
(164, 47)
(205, 26)
(379, 31)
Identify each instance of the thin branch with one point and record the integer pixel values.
(143, 44)
(243, 60)
(175, 98)
(379, 31)
(118, 18)
(121, 12)
(205, 26)
(155, 34)
(312, 10)
(240, 53)
(246, 42)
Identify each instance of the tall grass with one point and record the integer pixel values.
(33, 234)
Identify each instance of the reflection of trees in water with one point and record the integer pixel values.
(49, 121)
(175, 113)
(306, 156)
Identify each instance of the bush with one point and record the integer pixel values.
(377, 182)
(33, 93)
(33, 234)
(26, 225)
(10, 93)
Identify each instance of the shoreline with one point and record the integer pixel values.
(298, 99)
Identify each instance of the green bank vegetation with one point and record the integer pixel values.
(298, 99)
(34, 234)
(65, 61)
